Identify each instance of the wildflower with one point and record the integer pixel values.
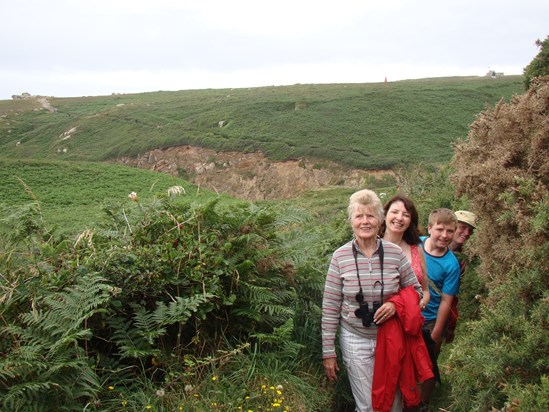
(124, 402)
(160, 392)
(276, 405)
(148, 407)
(272, 388)
(188, 388)
(133, 197)
(180, 407)
(176, 190)
(111, 388)
(278, 392)
(279, 387)
(214, 378)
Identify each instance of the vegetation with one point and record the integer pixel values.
(539, 66)
(72, 194)
(502, 359)
(370, 126)
(177, 299)
(165, 305)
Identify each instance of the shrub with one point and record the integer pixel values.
(501, 360)
(149, 300)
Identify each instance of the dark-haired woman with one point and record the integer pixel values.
(401, 228)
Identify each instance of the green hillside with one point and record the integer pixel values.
(72, 194)
(371, 126)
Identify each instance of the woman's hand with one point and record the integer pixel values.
(385, 312)
(331, 368)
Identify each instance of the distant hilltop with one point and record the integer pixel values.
(22, 96)
(493, 74)
(43, 100)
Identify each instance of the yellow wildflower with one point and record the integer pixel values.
(214, 378)
(124, 402)
(148, 407)
(111, 388)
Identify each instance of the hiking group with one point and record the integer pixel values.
(391, 296)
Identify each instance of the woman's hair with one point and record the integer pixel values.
(443, 216)
(411, 235)
(366, 198)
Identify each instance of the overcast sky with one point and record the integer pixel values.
(99, 47)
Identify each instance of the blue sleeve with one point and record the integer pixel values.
(451, 283)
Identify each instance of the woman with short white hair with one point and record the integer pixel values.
(363, 274)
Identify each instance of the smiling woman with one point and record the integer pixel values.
(363, 277)
(366, 214)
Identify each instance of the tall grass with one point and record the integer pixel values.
(72, 194)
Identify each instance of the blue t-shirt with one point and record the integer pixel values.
(443, 272)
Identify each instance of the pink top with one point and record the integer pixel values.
(416, 263)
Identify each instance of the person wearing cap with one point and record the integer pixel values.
(466, 225)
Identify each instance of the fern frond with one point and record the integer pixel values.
(129, 340)
(46, 367)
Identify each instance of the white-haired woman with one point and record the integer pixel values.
(363, 274)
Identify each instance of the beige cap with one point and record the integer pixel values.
(466, 217)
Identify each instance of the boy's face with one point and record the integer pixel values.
(442, 235)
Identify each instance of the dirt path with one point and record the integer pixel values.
(44, 102)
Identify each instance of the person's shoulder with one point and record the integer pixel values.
(451, 255)
(386, 244)
(452, 260)
(419, 249)
(390, 247)
(344, 249)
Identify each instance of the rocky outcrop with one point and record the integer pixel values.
(43, 100)
(248, 175)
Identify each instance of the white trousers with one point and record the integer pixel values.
(359, 354)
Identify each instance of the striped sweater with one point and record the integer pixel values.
(341, 287)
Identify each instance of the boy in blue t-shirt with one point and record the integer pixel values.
(443, 271)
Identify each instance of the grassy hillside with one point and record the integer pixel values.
(73, 193)
(371, 126)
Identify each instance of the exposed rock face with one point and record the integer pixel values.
(248, 175)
